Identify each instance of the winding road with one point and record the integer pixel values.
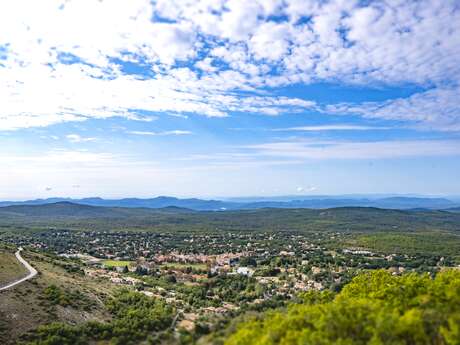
(32, 272)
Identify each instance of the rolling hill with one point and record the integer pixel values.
(343, 219)
(68, 209)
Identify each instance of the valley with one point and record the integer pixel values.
(205, 269)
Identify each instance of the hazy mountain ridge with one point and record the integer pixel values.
(392, 202)
(69, 209)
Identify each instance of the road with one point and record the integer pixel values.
(32, 272)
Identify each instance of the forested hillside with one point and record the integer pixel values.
(356, 219)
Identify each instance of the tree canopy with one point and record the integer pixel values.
(375, 308)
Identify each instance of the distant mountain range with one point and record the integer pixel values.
(69, 209)
(392, 202)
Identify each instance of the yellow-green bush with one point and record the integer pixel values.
(375, 308)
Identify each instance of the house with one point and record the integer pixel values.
(246, 271)
(120, 269)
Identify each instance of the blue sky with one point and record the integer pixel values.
(229, 98)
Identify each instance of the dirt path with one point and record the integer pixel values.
(32, 272)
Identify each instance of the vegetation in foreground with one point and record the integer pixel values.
(375, 308)
(136, 318)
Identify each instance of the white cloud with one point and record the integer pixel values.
(58, 59)
(61, 159)
(270, 41)
(330, 128)
(164, 133)
(436, 109)
(357, 150)
(303, 190)
(240, 19)
(206, 65)
(75, 138)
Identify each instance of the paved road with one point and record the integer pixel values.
(32, 272)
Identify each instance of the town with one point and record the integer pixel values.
(209, 276)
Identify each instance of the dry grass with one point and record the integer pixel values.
(10, 268)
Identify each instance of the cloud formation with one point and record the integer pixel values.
(64, 61)
(76, 138)
(357, 150)
(163, 133)
(330, 128)
(436, 109)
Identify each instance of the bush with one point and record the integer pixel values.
(375, 308)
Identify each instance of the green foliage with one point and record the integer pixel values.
(451, 333)
(116, 263)
(136, 317)
(316, 297)
(58, 334)
(268, 272)
(375, 308)
(355, 219)
(57, 296)
(234, 289)
(248, 261)
(435, 243)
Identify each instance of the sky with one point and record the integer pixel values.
(221, 98)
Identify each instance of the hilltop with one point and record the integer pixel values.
(70, 209)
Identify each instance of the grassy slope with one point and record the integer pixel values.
(10, 268)
(26, 306)
(116, 263)
(177, 265)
